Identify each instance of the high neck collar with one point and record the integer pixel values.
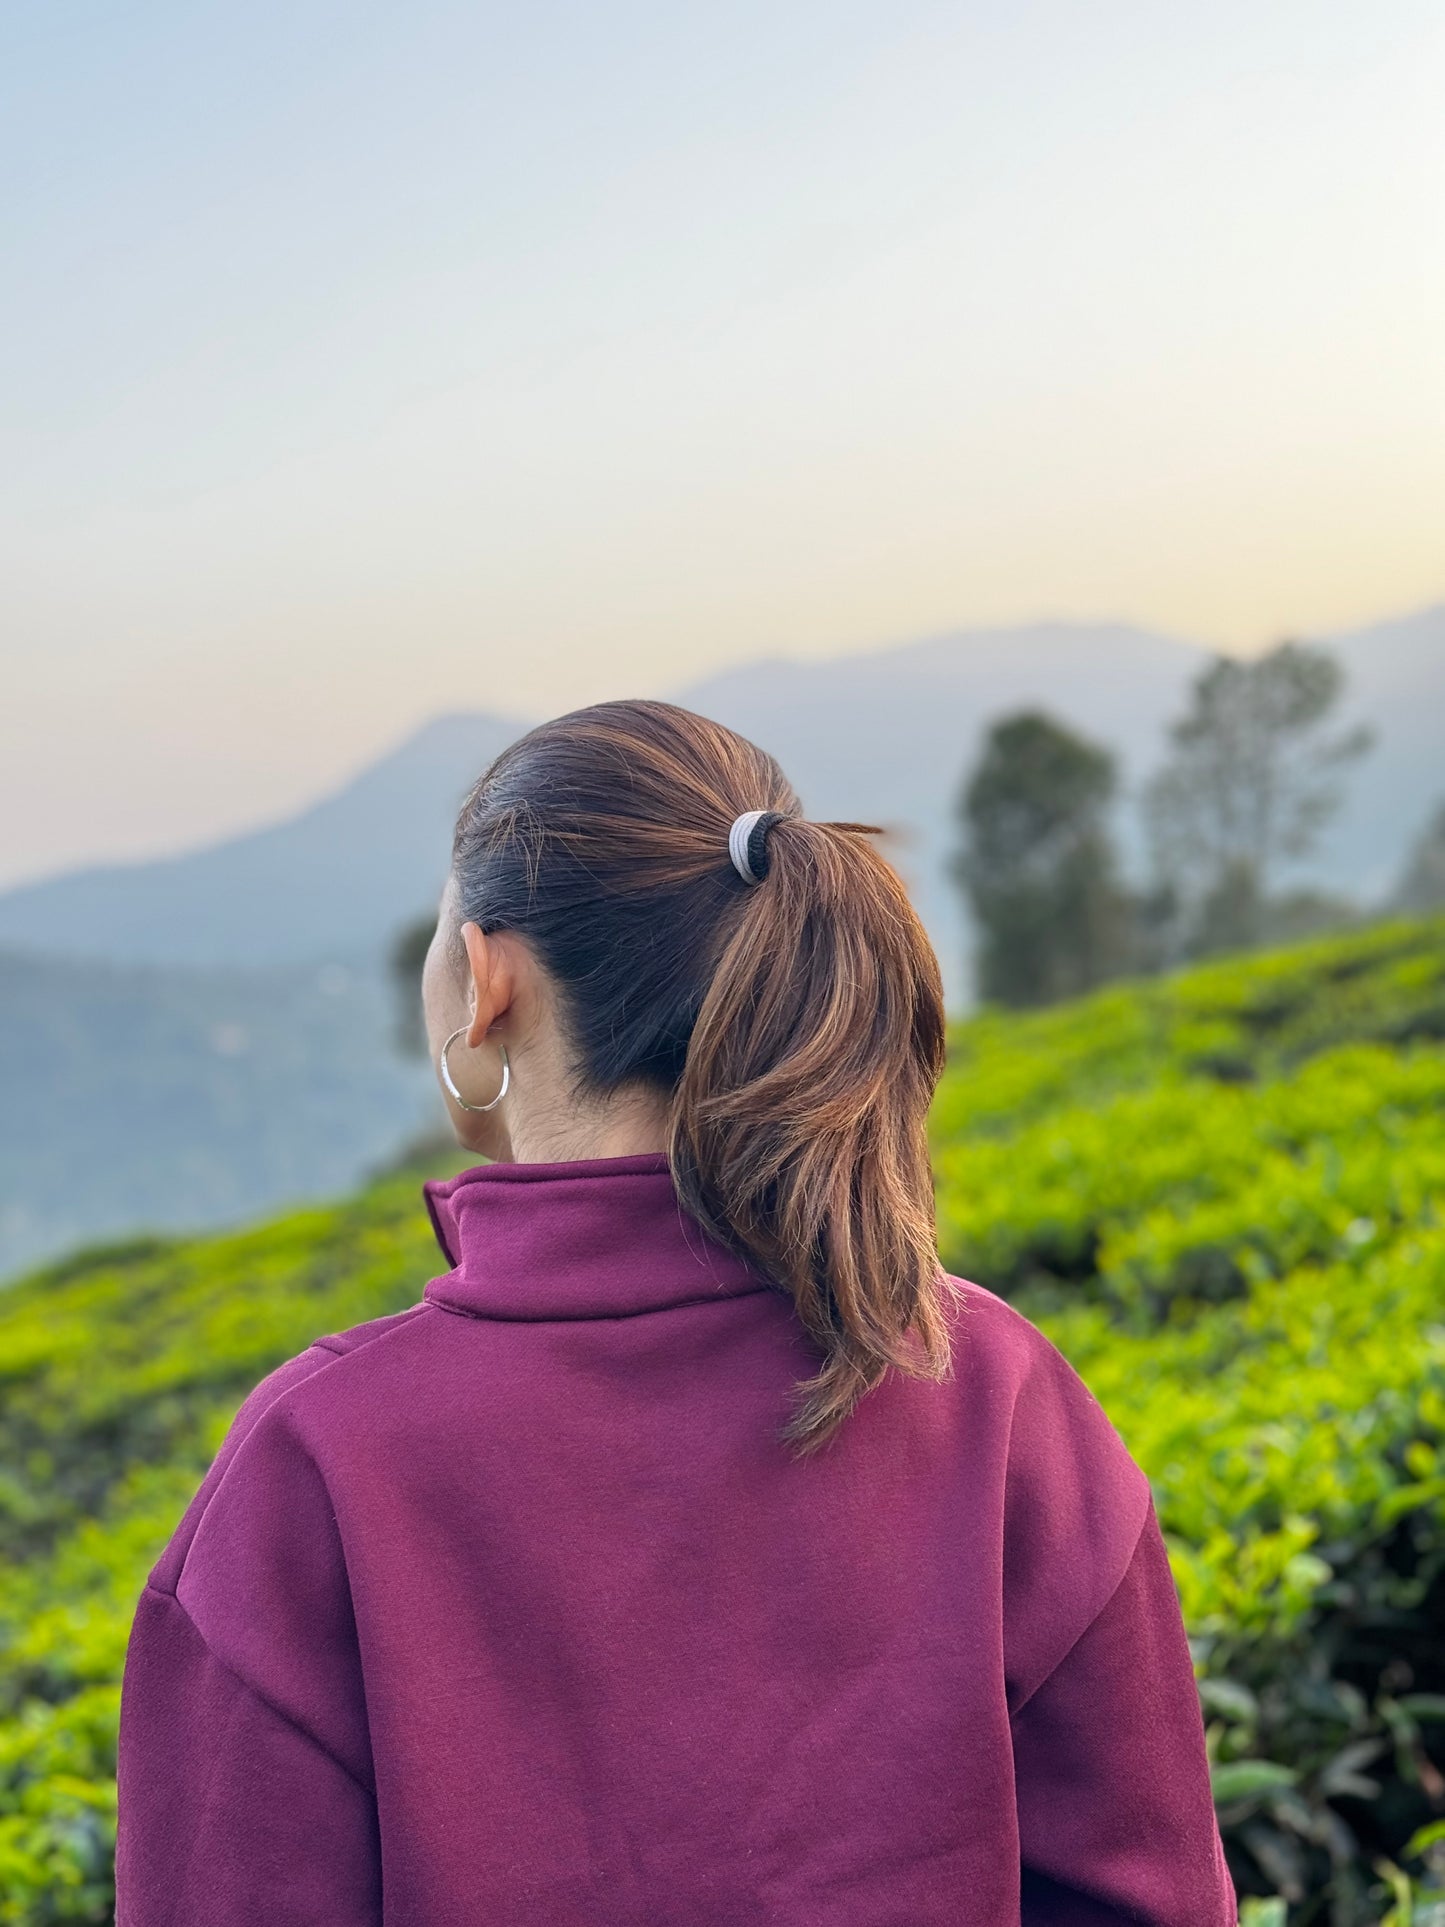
(600, 1238)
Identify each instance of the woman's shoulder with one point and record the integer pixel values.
(1010, 1366)
(256, 1571)
(992, 1339)
(264, 1430)
(316, 1369)
(280, 1386)
(1074, 1500)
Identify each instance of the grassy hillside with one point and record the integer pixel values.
(1221, 1195)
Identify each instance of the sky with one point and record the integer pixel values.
(360, 363)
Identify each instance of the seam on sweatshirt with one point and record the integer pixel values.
(255, 1692)
(400, 1321)
(394, 1321)
(593, 1317)
(1113, 1592)
(203, 1797)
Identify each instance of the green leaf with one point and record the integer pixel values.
(1228, 1697)
(1247, 1779)
(1430, 1835)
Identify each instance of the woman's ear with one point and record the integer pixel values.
(493, 981)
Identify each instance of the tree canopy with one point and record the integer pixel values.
(1037, 863)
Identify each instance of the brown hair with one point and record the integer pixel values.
(796, 1024)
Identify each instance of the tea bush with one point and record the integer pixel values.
(1220, 1194)
(1223, 1197)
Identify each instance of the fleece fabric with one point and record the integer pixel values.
(511, 1608)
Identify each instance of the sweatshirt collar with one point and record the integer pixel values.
(600, 1238)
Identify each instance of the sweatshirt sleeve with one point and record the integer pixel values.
(1115, 1814)
(231, 1813)
(246, 1790)
(1116, 1818)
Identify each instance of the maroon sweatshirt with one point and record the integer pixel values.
(511, 1609)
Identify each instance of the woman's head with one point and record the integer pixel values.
(782, 1038)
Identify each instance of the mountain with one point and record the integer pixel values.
(885, 735)
(330, 884)
(171, 1056)
(137, 1097)
(1395, 679)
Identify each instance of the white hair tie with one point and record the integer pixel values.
(747, 843)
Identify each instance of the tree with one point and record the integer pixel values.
(1252, 780)
(1422, 887)
(405, 960)
(1038, 863)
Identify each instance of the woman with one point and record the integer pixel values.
(695, 1551)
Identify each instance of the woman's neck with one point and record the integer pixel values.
(626, 1125)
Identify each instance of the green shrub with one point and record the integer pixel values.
(1221, 1195)
(1249, 1270)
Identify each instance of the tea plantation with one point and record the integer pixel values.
(1222, 1194)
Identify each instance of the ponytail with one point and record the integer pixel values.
(796, 1021)
(798, 1128)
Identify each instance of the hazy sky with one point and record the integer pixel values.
(366, 361)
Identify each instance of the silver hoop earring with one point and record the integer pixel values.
(450, 1081)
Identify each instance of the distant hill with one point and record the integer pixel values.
(119, 1110)
(327, 885)
(139, 1098)
(1396, 674)
(886, 734)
